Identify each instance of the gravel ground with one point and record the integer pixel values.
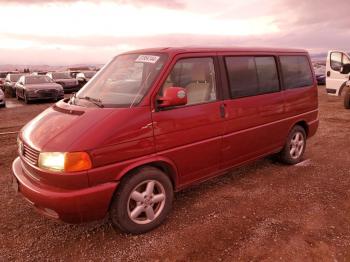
(263, 211)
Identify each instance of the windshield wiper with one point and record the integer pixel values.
(95, 101)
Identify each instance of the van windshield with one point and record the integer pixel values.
(123, 82)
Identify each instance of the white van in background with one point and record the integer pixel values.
(335, 80)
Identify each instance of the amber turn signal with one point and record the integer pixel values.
(77, 161)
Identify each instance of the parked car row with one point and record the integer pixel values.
(35, 87)
(320, 72)
(2, 99)
(42, 85)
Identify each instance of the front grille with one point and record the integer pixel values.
(30, 155)
(47, 93)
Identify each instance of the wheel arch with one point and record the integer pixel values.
(163, 164)
(342, 88)
(303, 124)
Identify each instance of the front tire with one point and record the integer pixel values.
(17, 96)
(294, 148)
(25, 97)
(142, 201)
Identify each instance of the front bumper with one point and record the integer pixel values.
(71, 206)
(43, 94)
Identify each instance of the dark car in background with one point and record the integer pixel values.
(10, 82)
(65, 80)
(2, 79)
(2, 99)
(84, 77)
(320, 73)
(36, 87)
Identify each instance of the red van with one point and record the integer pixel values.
(154, 121)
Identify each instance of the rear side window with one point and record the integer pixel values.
(250, 76)
(296, 71)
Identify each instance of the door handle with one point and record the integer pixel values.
(223, 110)
(328, 73)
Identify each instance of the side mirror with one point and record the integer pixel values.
(173, 96)
(345, 69)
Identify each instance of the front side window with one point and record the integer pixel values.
(250, 76)
(296, 71)
(346, 59)
(124, 81)
(197, 76)
(336, 61)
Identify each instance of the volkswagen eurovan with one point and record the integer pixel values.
(154, 121)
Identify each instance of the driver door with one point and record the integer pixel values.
(191, 135)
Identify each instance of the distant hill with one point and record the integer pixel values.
(33, 68)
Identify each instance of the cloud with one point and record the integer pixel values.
(90, 49)
(169, 4)
(315, 26)
(314, 13)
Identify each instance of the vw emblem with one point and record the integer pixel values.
(181, 94)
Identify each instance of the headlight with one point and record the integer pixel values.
(66, 162)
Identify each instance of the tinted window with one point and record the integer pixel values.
(37, 80)
(267, 74)
(296, 71)
(61, 76)
(249, 76)
(336, 61)
(89, 74)
(197, 76)
(14, 78)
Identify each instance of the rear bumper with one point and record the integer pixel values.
(71, 206)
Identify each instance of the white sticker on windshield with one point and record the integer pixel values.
(147, 59)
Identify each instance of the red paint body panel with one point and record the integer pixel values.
(193, 142)
(72, 206)
(191, 138)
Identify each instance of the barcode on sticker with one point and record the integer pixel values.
(147, 59)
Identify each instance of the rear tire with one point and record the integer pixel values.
(142, 201)
(347, 98)
(294, 148)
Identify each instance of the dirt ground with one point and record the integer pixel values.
(265, 211)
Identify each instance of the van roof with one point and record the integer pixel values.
(191, 49)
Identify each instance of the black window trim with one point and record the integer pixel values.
(279, 75)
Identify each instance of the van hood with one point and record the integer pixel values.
(43, 86)
(60, 126)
